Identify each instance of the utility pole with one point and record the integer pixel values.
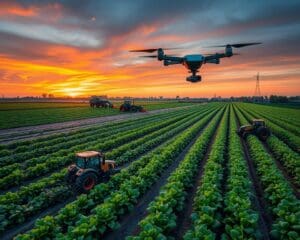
(257, 87)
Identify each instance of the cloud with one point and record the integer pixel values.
(77, 38)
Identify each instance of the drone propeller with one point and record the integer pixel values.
(238, 45)
(150, 56)
(150, 50)
(155, 56)
(208, 54)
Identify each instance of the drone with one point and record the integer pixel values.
(193, 62)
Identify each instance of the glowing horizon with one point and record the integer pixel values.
(81, 50)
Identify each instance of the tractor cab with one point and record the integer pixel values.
(89, 169)
(258, 123)
(94, 160)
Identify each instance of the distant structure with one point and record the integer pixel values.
(257, 88)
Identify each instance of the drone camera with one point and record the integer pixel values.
(194, 79)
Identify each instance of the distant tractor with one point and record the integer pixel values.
(89, 169)
(99, 102)
(258, 128)
(128, 106)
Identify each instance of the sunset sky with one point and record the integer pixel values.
(80, 48)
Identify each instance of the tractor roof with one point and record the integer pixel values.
(258, 120)
(87, 154)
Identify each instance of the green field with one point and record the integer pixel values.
(186, 174)
(29, 114)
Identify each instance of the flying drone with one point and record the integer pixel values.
(193, 62)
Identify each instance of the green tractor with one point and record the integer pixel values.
(89, 169)
(128, 106)
(258, 128)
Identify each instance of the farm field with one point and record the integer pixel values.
(186, 174)
(28, 114)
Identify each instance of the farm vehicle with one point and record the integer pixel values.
(99, 102)
(258, 128)
(89, 169)
(129, 106)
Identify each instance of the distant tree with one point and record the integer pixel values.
(278, 99)
(44, 95)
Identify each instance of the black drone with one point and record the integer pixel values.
(194, 61)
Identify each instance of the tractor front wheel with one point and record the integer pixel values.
(86, 182)
(263, 133)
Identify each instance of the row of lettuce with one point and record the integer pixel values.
(30, 200)
(281, 151)
(283, 205)
(107, 201)
(22, 204)
(58, 142)
(40, 166)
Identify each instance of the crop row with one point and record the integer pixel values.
(289, 138)
(23, 204)
(18, 176)
(240, 218)
(45, 146)
(162, 212)
(123, 188)
(287, 157)
(206, 217)
(285, 207)
(280, 122)
(287, 115)
(67, 148)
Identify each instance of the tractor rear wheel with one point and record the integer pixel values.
(86, 182)
(263, 133)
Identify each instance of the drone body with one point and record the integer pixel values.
(193, 62)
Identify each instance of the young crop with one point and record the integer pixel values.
(285, 155)
(125, 182)
(162, 216)
(241, 221)
(206, 217)
(284, 205)
(289, 138)
(15, 204)
(18, 176)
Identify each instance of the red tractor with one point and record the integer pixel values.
(89, 169)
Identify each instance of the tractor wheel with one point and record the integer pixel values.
(244, 135)
(263, 133)
(86, 182)
(240, 132)
(70, 177)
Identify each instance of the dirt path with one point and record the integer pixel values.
(129, 223)
(31, 132)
